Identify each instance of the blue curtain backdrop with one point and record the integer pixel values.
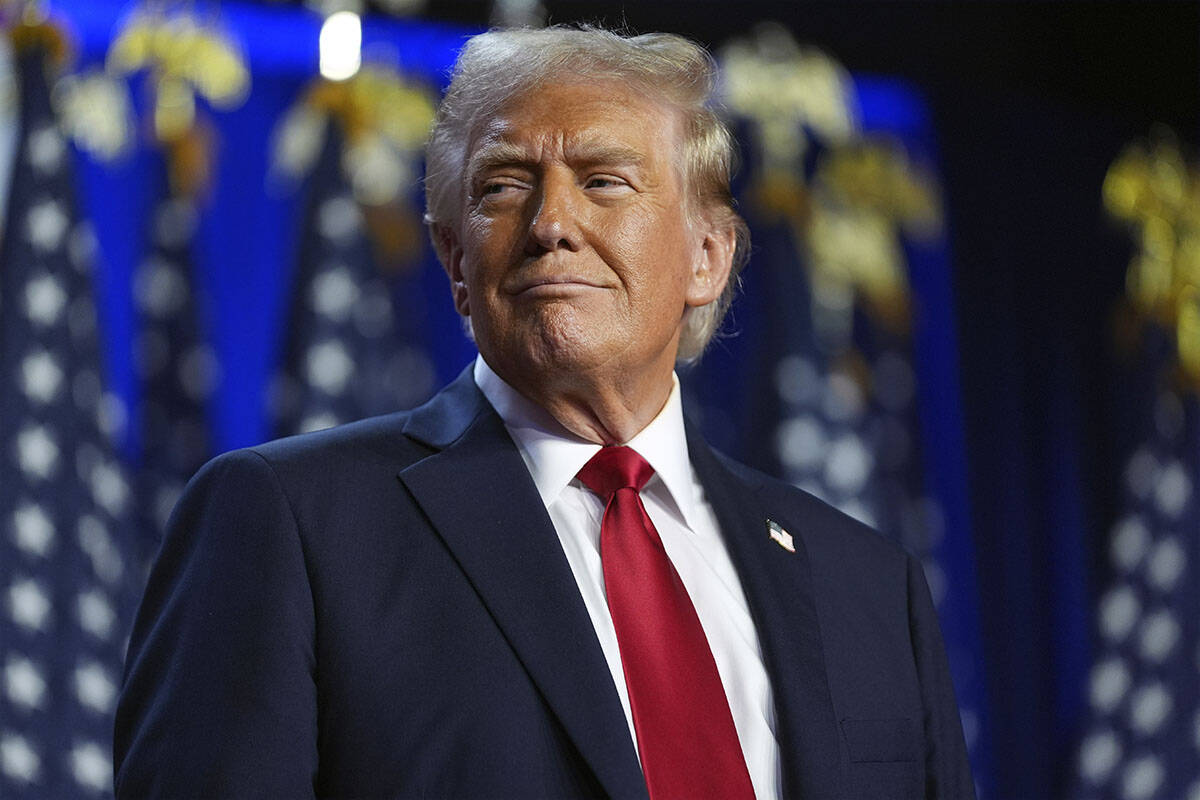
(1017, 611)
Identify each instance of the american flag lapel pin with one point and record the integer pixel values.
(780, 536)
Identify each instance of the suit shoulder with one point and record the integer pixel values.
(372, 440)
(317, 463)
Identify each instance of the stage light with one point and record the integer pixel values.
(341, 45)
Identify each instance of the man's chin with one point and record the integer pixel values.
(545, 354)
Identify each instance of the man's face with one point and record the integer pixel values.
(575, 256)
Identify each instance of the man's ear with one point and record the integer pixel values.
(449, 252)
(710, 270)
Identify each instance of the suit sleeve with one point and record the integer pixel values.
(219, 698)
(947, 771)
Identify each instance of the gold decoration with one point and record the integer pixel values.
(184, 58)
(385, 120)
(865, 195)
(1156, 193)
(92, 108)
(34, 31)
(783, 88)
(1187, 330)
(377, 107)
(95, 110)
(189, 157)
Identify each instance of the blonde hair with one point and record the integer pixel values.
(497, 65)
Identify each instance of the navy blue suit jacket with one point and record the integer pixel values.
(384, 610)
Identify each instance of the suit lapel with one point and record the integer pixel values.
(478, 494)
(778, 587)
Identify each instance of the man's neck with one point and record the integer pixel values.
(605, 411)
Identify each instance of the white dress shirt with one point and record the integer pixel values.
(675, 501)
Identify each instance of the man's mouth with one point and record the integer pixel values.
(554, 286)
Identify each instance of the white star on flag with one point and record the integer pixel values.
(28, 604)
(37, 451)
(17, 759)
(94, 688)
(96, 615)
(41, 377)
(91, 766)
(34, 530)
(46, 148)
(329, 366)
(44, 300)
(47, 224)
(24, 684)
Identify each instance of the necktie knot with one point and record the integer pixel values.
(615, 468)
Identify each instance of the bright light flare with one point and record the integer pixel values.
(341, 45)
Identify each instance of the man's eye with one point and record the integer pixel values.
(498, 185)
(602, 182)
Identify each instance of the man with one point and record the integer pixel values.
(543, 583)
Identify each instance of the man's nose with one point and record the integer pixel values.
(555, 223)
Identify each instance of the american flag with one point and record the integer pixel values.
(178, 369)
(349, 355)
(66, 573)
(1143, 738)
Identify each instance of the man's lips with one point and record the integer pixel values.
(554, 285)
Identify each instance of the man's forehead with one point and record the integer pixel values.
(588, 121)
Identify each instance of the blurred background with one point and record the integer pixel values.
(971, 318)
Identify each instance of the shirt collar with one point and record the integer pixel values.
(554, 455)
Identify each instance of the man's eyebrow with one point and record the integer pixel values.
(496, 153)
(605, 153)
(501, 153)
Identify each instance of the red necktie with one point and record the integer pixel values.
(685, 732)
